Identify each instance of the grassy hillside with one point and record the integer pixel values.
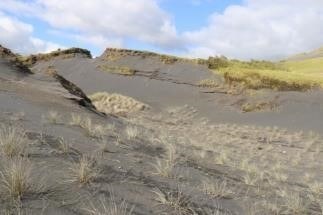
(313, 66)
(309, 55)
(301, 74)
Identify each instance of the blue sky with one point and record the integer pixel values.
(243, 29)
(191, 15)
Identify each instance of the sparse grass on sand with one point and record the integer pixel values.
(217, 189)
(91, 129)
(64, 146)
(12, 141)
(52, 117)
(76, 120)
(268, 162)
(286, 75)
(109, 206)
(295, 204)
(132, 132)
(164, 167)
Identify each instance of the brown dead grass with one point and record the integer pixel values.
(121, 70)
(13, 141)
(116, 103)
(64, 54)
(208, 83)
(109, 206)
(83, 171)
(16, 177)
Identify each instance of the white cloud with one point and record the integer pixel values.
(261, 29)
(18, 36)
(109, 21)
(97, 40)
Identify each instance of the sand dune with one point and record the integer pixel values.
(142, 135)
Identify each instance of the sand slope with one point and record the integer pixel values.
(195, 150)
(165, 85)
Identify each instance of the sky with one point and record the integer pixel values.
(241, 29)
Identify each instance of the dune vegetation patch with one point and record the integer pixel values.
(300, 76)
(114, 54)
(121, 70)
(116, 104)
(64, 54)
(208, 83)
(271, 79)
(14, 59)
(259, 106)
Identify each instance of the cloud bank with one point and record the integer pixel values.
(19, 37)
(255, 29)
(103, 22)
(260, 29)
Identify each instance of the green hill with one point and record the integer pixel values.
(300, 72)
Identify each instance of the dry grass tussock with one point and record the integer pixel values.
(13, 141)
(175, 202)
(164, 167)
(109, 206)
(116, 103)
(83, 171)
(16, 178)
